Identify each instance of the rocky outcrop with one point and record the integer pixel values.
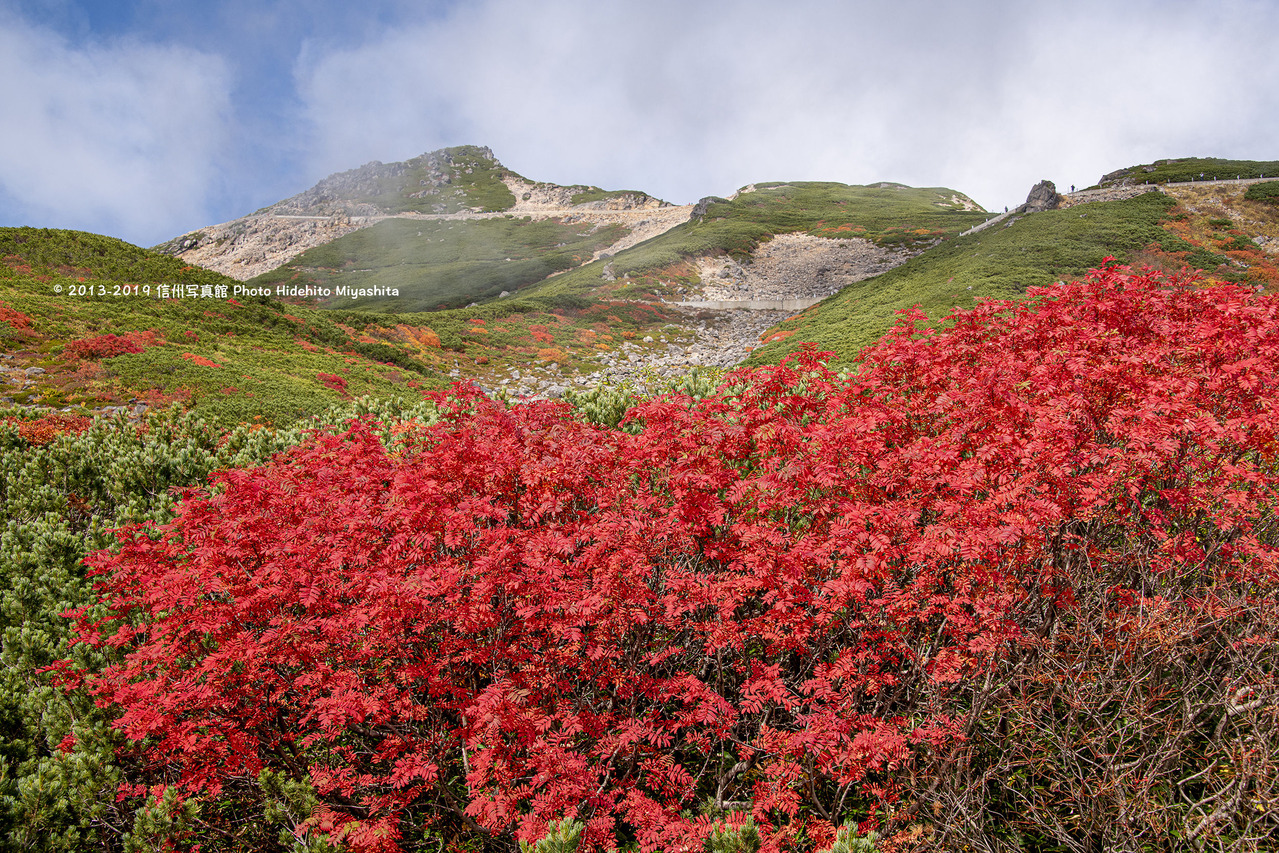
(703, 204)
(1116, 193)
(706, 339)
(1043, 196)
(530, 196)
(625, 201)
(538, 198)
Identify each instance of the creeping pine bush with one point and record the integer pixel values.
(1267, 191)
(1013, 584)
(561, 837)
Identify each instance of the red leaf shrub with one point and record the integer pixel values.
(111, 345)
(822, 599)
(14, 318)
(46, 428)
(200, 360)
(332, 381)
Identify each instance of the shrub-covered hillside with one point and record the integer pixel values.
(890, 215)
(1193, 169)
(1015, 585)
(1205, 230)
(89, 322)
(435, 264)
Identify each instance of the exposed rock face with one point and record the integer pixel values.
(796, 266)
(534, 198)
(1043, 196)
(1113, 193)
(259, 243)
(531, 196)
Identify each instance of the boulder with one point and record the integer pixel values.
(1043, 196)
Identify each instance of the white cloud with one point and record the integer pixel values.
(685, 99)
(682, 99)
(122, 138)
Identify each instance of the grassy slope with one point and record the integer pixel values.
(999, 262)
(437, 264)
(565, 317)
(269, 355)
(442, 264)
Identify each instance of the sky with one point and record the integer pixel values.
(146, 119)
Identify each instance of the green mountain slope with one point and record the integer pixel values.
(97, 323)
(998, 262)
(448, 263)
(440, 263)
(466, 177)
(887, 214)
(87, 321)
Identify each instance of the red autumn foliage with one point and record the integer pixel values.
(332, 381)
(46, 428)
(200, 360)
(794, 596)
(16, 319)
(111, 345)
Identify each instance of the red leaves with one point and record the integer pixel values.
(46, 428)
(332, 381)
(110, 345)
(14, 318)
(200, 360)
(767, 596)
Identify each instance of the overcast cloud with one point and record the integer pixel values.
(146, 131)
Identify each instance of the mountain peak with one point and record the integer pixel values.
(449, 180)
